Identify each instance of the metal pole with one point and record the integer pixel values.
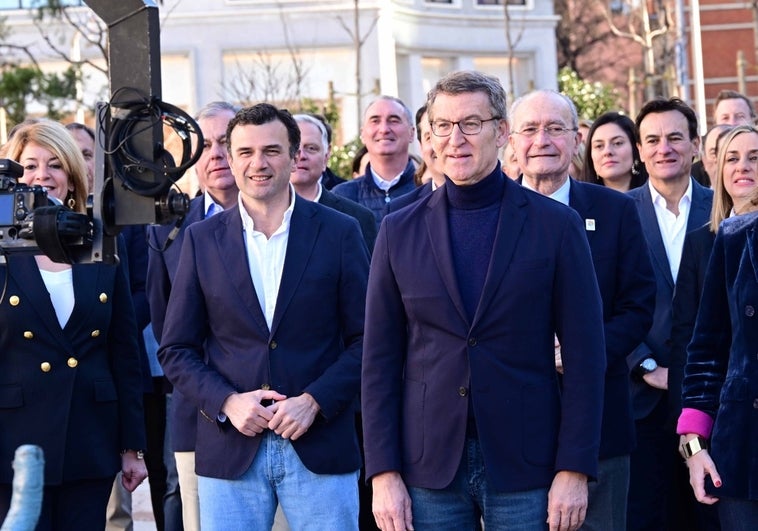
(697, 62)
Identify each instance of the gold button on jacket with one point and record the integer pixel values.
(28, 334)
(72, 362)
(45, 366)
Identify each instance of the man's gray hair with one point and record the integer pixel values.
(466, 81)
(569, 103)
(406, 110)
(307, 118)
(215, 108)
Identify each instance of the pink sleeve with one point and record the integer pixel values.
(694, 421)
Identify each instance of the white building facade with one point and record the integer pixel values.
(251, 50)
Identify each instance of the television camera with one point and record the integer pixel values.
(134, 181)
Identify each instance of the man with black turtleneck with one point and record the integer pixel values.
(463, 417)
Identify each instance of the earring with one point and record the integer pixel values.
(71, 202)
(635, 170)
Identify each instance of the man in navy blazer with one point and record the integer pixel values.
(670, 205)
(264, 334)
(460, 397)
(219, 193)
(545, 138)
(307, 176)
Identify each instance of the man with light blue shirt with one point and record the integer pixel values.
(544, 138)
(264, 335)
(387, 132)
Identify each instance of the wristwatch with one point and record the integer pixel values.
(140, 453)
(647, 366)
(693, 446)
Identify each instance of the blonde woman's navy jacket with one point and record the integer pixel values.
(75, 391)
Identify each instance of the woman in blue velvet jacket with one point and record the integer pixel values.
(69, 367)
(720, 388)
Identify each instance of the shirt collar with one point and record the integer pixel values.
(211, 205)
(561, 194)
(381, 183)
(247, 221)
(660, 201)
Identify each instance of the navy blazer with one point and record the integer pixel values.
(689, 287)
(362, 214)
(424, 360)
(720, 377)
(410, 198)
(627, 288)
(161, 270)
(216, 341)
(74, 391)
(658, 341)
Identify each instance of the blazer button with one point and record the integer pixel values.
(103, 298)
(95, 333)
(14, 300)
(45, 366)
(273, 345)
(749, 311)
(28, 334)
(462, 391)
(72, 362)
(472, 342)
(265, 387)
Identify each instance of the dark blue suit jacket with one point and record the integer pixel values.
(362, 215)
(161, 271)
(720, 377)
(424, 360)
(87, 406)
(627, 287)
(410, 198)
(658, 341)
(216, 341)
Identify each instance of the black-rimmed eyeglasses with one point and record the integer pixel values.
(551, 130)
(469, 126)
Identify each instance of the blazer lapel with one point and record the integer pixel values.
(700, 209)
(304, 227)
(230, 245)
(29, 283)
(579, 201)
(752, 249)
(86, 281)
(510, 224)
(439, 237)
(652, 232)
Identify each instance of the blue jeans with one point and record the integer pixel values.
(469, 500)
(309, 501)
(738, 515)
(606, 509)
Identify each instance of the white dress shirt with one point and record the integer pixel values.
(673, 228)
(265, 257)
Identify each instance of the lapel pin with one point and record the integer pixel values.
(589, 224)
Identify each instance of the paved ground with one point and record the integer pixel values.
(142, 511)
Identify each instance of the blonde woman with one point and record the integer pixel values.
(69, 368)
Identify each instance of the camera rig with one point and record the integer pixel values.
(134, 174)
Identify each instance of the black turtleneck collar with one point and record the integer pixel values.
(479, 195)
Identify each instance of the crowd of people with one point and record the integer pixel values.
(546, 323)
